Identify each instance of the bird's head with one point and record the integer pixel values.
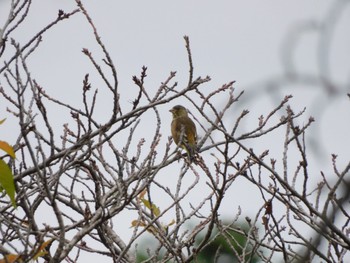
(178, 111)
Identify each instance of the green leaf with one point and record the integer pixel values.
(7, 148)
(152, 207)
(7, 182)
(2, 121)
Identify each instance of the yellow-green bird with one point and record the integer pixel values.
(184, 131)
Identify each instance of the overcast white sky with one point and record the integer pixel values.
(230, 40)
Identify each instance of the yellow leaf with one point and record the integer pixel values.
(151, 207)
(2, 121)
(136, 223)
(171, 223)
(7, 148)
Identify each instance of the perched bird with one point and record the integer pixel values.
(184, 131)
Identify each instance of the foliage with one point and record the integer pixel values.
(6, 176)
(231, 238)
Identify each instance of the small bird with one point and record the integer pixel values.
(184, 131)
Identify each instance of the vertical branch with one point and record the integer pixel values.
(189, 55)
(108, 60)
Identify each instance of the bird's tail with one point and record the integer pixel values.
(191, 152)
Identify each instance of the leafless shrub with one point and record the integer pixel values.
(86, 175)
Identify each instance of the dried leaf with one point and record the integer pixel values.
(7, 148)
(142, 194)
(11, 258)
(43, 249)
